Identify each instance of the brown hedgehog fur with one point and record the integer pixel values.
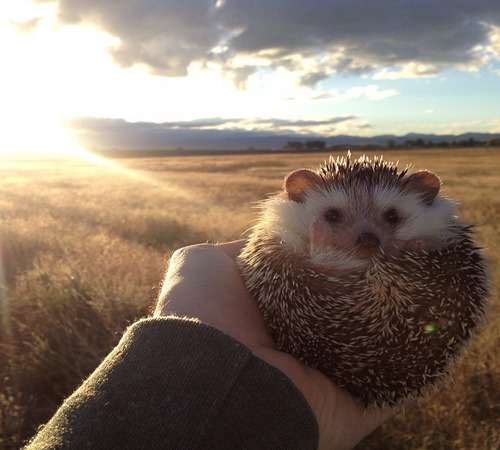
(387, 319)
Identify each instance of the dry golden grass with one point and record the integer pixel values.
(84, 247)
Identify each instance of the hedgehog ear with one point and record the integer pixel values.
(426, 184)
(297, 182)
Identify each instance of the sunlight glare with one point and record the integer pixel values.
(49, 70)
(27, 134)
(41, 78)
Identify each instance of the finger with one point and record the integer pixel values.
(373, 418)
(232, 249)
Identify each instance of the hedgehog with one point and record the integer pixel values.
(363, 271)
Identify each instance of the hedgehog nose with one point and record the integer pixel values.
(368, 240)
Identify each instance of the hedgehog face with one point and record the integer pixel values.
(344, 222)
(358, 223)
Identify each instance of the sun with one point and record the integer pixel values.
(29, 117)
(35, 135)
(44, 69)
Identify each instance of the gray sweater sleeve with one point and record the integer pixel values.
(180, 384)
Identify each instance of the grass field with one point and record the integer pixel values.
(83, 247)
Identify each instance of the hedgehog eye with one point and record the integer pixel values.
(333, 215)
(391, 216)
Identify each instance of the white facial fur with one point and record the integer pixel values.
(362, 211)
(420, 221)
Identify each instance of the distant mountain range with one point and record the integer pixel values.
(382, 140)
(257, 140)
(117, 134)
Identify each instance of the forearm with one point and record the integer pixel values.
(176, 384)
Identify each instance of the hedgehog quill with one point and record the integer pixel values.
(365, 273)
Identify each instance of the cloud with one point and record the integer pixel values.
(166, 36)
(26, 26)
(313, 78)
(280, 123)
(210, 133)
(494, 39)
(487, 126)
(370, 92)
(314, 39)
(240, 75)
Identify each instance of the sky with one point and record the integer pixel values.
(146, 73)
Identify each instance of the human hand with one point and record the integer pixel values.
(203, 282)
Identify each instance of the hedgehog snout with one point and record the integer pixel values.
(368, 243)
(368, 239)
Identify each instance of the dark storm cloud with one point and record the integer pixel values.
(343, 35)
(165, 35)
(102, 133)
(391, 30)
